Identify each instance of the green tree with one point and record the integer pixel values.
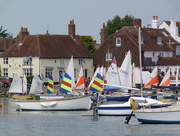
(117, 23)
(3, 33)
(89, 43)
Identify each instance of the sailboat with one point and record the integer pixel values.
(67, 103)
(153, 78)
(125, 108)
(81, 80)
(98, 70)
(112, 77)
(50, 91)
(118, 77)
(18, 88)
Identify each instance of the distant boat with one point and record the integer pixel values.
(153, 78)
(67, 103)
(81, 80)
(18, 88)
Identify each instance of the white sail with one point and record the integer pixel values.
(36, 86)
(125, 72)
(112, 75)
(80, 81)
(70, 71)
(102, 71)
(24, 89)
(16, 85)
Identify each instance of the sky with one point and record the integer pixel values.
(89, 15)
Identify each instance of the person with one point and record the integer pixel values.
(42, 79)
(60, 78)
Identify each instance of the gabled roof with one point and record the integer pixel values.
(49, 46)
(129, 41)
(168, 61)
(168, 23)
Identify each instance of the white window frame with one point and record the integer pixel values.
(27, 61)
(118, 41)
(5, 60)
(27, 71)
(81, 61)
(62, 62)
(5, 72)
(159, 40)
(142, 39)
(108, 56)
(48, 71)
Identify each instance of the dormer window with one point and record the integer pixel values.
(118, 42)
(142, 39)
(159, 40)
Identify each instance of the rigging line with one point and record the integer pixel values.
(175, 9)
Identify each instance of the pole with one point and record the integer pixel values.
(140, 59)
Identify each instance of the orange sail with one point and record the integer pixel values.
(81, 80)
(166, 79)
(153, 78)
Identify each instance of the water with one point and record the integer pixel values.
(72, 123)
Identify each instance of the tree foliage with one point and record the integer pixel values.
(89, 43)
(117, 23)
(4, 34)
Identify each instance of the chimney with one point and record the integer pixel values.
(23, 32)
(103, 33)
(71, 28)
(137, 22)
(155, 22)
(47, 32)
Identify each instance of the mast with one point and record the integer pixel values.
(140, 59)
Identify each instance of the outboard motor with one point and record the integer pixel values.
(94, 101)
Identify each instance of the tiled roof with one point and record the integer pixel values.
(5, 43)
(49, 46)
(170, 61)
(129, 41)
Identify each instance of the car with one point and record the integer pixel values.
(6, 81)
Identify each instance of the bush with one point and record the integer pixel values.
(29, 79)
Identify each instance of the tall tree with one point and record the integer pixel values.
(3, 33)
(117, 23)
(89, 43)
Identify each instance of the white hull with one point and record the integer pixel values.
(125, 108)
(169, 115)
(82, 103)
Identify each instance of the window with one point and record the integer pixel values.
(118, 41)
(27, 71)
(159, 40)
(153, 54)
(61, 61)
(108, 56)
(159, 71)
(27, 61)
(80, 61)
(161, 54)
(5, 60)
(142, 40)
(5, 72)
(48, 72)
